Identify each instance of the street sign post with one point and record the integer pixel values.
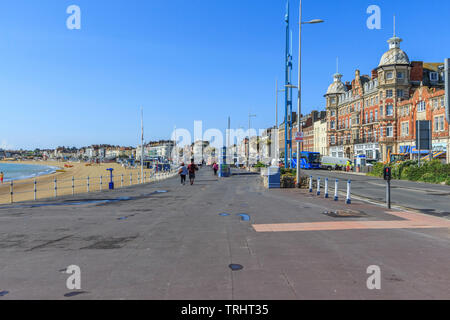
(299, 136)
(387, 172)
(423, 136)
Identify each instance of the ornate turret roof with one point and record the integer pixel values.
(395, 55)
(337, 86)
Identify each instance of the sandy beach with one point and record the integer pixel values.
(24, 189)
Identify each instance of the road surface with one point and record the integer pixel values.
(143, 243)
(424, 197)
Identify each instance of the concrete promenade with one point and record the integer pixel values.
(148, 244)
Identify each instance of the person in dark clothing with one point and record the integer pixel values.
(191, 169)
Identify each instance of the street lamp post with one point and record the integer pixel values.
(248, 148)
(142, 142)
(277, 155)
(299, 127)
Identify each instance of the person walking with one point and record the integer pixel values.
(215, 168)
(183, 171)
(191, 169)
(1, 177)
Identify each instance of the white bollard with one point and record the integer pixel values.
(336, 186)
(349, 200)
(326, 188)
(318, 186)
(310, 184)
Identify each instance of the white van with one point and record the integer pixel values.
(334, 163)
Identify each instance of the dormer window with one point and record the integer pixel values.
(434, 76)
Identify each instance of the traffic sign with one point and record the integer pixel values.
(299, 136)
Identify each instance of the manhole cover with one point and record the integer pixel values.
(236, 267)
(73, 294)
(244, 217)
(345, 214)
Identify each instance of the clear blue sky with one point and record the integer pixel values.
(183, 61)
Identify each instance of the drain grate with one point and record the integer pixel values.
(345, 214)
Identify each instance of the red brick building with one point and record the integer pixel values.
(366, 116)
(425, 104)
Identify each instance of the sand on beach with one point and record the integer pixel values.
(45, 185)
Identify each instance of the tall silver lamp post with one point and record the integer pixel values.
(299, 110)
(277, 155)
(248, 148)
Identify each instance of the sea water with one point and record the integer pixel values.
(17, 171)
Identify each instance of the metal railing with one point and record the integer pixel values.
(72, 186)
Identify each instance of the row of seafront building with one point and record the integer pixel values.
(373, 115)
(376, 114)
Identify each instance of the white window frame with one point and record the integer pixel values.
(389, 129)
(387, 110)
(405, 125)
(421, 106)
